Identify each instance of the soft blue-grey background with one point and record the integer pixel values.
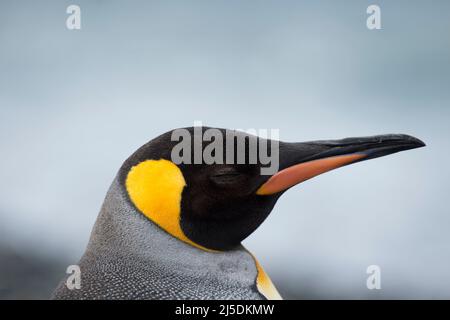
(75, 104)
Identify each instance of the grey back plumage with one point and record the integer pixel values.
(129, 257)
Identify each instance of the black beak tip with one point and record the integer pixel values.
(382, 145)
(413, 141)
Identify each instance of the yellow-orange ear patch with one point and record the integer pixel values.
(155, 188)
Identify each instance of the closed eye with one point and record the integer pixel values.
(227, 176)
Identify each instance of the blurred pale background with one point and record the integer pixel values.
(75, 104)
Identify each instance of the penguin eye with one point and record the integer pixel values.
(227, 176)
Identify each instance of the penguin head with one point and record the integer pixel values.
(214, 205)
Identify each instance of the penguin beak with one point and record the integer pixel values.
(302, 161)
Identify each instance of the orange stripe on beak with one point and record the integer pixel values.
(295, 174)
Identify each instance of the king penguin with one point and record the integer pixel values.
(171, 230)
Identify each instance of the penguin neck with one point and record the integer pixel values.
(122, 233)
(121, 227)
